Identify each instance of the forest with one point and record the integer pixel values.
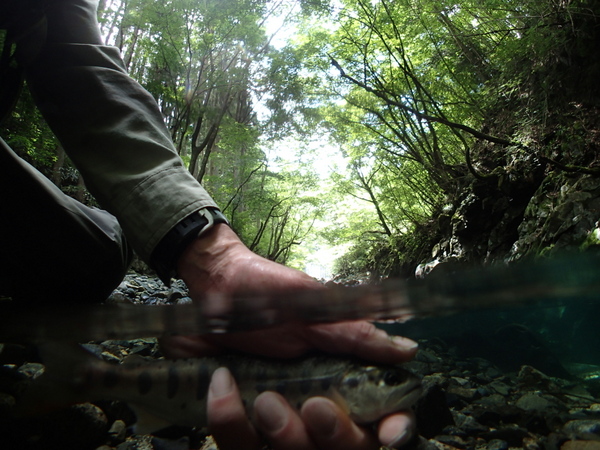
(460, 131)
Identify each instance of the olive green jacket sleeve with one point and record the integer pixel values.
(112, 130)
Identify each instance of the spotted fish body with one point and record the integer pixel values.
(559, 281)
(175, 391)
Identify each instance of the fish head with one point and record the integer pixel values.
(372, 392)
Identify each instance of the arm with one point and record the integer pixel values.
(219, 262)
(109, 125)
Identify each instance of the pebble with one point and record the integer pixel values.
(497, 444)
(31, 370)
(427, 356)
(583, 429)
(580, 445)
(463, 393)
(500, 387)
(209, 444)
(533, 402)
(453, 441)
(117, 432)
(493, 372)
(137, 443)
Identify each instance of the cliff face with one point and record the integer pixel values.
(543, 195)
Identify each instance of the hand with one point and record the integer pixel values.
(320, 425)
(219, 262)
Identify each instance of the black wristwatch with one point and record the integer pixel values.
(165, 255)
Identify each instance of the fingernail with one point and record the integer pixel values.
(404, 343)
(399, 440)
(271, 414)
(221, 383)
(323, 419)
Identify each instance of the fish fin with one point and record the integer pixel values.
(57, 387)
(148, 423)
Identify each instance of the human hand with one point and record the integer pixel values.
(219, 262)
(320, 424)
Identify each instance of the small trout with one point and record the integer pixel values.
(174, 392)
(560, 281)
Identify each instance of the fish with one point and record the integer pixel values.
(564, 280)
(174, 392)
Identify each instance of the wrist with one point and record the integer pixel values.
(167, 253)
(205, 261)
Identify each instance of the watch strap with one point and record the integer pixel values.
(165, 255)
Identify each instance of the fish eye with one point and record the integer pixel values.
(392, 378)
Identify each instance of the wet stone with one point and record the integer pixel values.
(31, 370)
(469, 425)
(497, 444)
(581, 445)
(426, 356)
(530, 443)
(500, 387)
(454, 441)
(96, 349)
(170, 444)
(137, 443)
(459, 393)
(491, 400)
(183, 301)
(117, 432)
(533, 402)
(459, 381)
(110, 357)
(209, 444)
(492, 372)
(513, 435)
(583, 429)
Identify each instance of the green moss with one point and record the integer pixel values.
(592, 239)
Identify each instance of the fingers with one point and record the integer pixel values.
(359, 338)
(227, 420)
(396, 430)
(362, 339)
(331, 428)
(281, 426)
(321, 424)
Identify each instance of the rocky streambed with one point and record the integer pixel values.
(468, 402)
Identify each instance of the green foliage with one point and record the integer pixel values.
(415, 83)
(28, 135)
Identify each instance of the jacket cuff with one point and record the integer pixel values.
(166, 254)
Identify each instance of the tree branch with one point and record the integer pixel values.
(421, 116)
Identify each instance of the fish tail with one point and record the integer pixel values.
(60, 384)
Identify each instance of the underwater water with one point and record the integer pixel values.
(494, 377)
(526, 377)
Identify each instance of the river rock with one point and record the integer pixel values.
(497, 444)
(533, 402)
(583, 429)
(580, 445)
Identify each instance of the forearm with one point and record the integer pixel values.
(112, 130)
